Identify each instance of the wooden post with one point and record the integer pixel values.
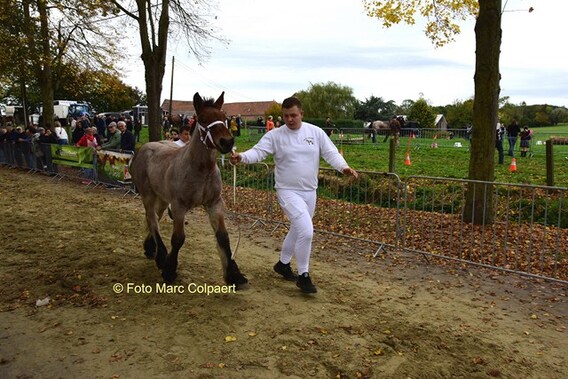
(549, 164)
(392, 153)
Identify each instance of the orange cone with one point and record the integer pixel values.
(513, 166)
(407, 160)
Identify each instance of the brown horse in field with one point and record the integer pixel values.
(185, 178)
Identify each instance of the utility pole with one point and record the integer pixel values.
(171, 89)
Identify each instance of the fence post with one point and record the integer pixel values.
(392, 153)
(549, 164)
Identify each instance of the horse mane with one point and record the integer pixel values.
(209, 102)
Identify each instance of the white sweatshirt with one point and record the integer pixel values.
(296, 155)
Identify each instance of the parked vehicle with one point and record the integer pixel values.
(64, 109)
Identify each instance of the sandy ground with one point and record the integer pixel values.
(394, 316)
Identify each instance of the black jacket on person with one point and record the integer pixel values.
(127, 141)
(52, 139)
(513, 129)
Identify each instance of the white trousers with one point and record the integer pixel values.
(299, 207)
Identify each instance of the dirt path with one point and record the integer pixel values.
(387, 317)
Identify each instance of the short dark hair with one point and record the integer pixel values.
(292, 102)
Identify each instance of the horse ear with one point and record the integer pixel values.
(220, 100)
(197, 102)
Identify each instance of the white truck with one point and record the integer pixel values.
(63, 109)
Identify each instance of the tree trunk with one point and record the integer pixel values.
(479, 197)
(154, 48)
(44, 67)
(154, 75)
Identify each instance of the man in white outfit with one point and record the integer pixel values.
(297, 149)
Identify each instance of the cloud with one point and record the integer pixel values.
(278, 48)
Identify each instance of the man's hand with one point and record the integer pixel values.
(235, 158)
(350, 172)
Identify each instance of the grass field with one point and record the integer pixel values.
(446, 160)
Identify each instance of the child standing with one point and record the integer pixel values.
(525, 141)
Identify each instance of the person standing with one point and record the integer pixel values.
(296, 148)
(101, 125)
(137, 128)
(127, 139)
(239, 124)
(329, 126)
(513, 131)
(113, 142)
(499, 133)
(525, 137)
(184, 136)
(233, 126)
(61, 134)
(269, 124)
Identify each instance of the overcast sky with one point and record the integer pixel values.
(279, 47)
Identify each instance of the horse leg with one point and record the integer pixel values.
(169, 271)
(231, 272)
(150, 247)
(153, 244)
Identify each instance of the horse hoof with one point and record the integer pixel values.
(242, 287)
(169, 277)
(240, 281)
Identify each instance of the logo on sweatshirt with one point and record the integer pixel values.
(309, 140)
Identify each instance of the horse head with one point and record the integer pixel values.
(212, 123)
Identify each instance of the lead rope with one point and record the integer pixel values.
(235, 205)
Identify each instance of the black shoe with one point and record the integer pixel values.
(305, 284)
(285, 270)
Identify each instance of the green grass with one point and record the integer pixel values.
(447, 160)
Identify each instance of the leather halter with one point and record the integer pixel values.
(207, 130)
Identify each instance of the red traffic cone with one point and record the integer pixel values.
(407, 160)
(513, 166)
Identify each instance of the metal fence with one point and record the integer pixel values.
(38, 158)
(424, 138)
(528, 234)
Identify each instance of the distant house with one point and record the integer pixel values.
(250, 110)
(441, 122)
(179, 107)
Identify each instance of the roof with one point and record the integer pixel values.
(179, 107)
(249, 109)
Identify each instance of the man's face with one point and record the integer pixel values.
(121, 127)
(293, 117)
